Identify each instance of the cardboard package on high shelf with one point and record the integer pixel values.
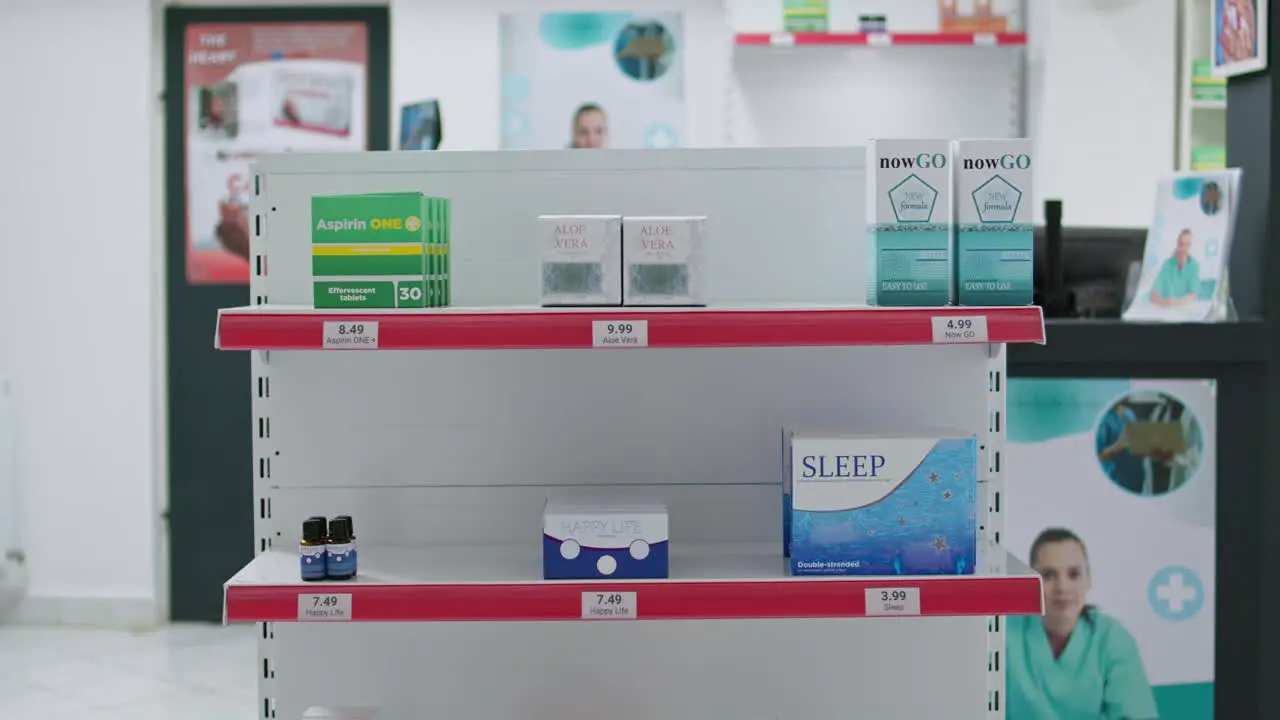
(982, 19)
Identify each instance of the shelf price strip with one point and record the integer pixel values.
(619, 333)
(362, 335)
(891, 602)
(608, 605)
(951, 329)
(327, 607)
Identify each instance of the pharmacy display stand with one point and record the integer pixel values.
(442, 432)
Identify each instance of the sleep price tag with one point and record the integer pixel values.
(362, 335)
(959, 329)
(620, 333)
(330, 607)
(606, 605)
(893, 601)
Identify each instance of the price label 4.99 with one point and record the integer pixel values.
(360, 335)
(960, 328)
(893, 601)
(329, 607)
(620, 333)
(608, 605)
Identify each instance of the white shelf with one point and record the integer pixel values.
(722, 581)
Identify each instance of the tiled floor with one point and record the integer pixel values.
(180, 672)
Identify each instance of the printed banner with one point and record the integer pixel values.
(253, 88)
(592, 80)
(1111, 498)
(1239, 36)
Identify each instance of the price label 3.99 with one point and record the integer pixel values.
(893, 601)
(960, 328)
(329, 607)
(360, 335)
(619, 333)
(608, 605)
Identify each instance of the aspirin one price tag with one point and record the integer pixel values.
(327, 607)
(893, 601)
(984, 38)
(620, 333)
(782, 39)
(960, 328)
(360, 335)
(608, 605)
(879, 39)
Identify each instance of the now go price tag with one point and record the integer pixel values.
(882, 602)
(879, 39)
(361, 335)
(328, 607)
(959, 329)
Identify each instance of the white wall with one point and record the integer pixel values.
(76, 282)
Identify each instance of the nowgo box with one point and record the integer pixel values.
(909, 223)
(995, 245)
(368, 251)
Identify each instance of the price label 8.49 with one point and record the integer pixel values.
(608, 605)
(328, 607)
(359, 335)
(893, 601)
(619, 333)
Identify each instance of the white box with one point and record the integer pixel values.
(995, 239)
(664, 261)
(909, 223)
(581, 259)
(582, 541)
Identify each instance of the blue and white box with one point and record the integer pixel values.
(995, 242)
(865, 505)
(910, 234)
(587, 541)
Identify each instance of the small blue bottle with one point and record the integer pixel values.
(313, 549)
(340, 552)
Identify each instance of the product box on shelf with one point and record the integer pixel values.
(583, 541)
(995, 241)
(866, 505)
(664, 261)
(581, 259)
(439, 222)
(909, 223)
(372, 251)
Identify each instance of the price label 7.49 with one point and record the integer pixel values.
(619, 333)
(359, 335)
(960, 328)
(608, 605)
(327, 607)
(893, 601)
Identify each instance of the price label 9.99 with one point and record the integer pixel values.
(620, 333)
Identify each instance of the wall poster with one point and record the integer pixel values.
(592, 80)
(253, 88)
(1111, 497)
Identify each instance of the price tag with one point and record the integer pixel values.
(330, 607)
(960, 329)
(893, 601)
(879, 39)
(361, 335)
(619, 333)
(608, 605)
(984, 38)
(782, 39)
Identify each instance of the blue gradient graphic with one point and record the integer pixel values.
(1043, 409)
(927, 526)
(580, 30)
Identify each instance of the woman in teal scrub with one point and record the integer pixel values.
(1074, 663)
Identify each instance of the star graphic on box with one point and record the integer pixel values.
(933, 478)
(939, 543)
(946, 495)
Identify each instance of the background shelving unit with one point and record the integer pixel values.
(1202, 98)
(444, 451)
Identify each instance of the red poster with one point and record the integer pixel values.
(254, 88)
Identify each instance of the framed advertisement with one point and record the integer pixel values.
(1239, 36)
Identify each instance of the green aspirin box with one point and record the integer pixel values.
(368, 251)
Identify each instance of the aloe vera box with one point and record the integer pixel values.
(377, 251)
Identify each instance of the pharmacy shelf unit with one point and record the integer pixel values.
(444, 453)
(1202, 104)
(885, 39)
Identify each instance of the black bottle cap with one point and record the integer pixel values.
(351, 526)
(340, 530)
(313, 529)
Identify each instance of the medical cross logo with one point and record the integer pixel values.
(1175, 593)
